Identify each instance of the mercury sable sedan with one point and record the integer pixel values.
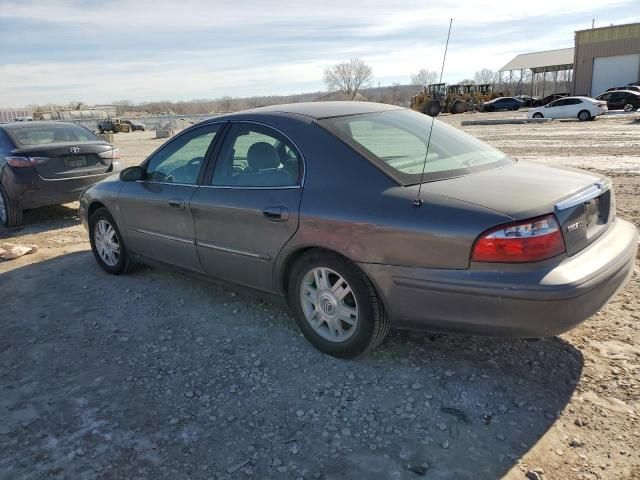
(352, 215)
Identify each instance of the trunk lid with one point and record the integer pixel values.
(582, 202)
(69, 159)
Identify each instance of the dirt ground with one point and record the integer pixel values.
(156, 375)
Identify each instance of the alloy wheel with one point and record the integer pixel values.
(329, 304)
(628, 107)
(106, 242)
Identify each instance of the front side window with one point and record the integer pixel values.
(396, 141)
(256, 156)
(557, 103)
(181, 159)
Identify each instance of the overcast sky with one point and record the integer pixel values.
(100, 51)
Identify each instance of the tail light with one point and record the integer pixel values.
(24, 162)
(526, 241)
(110, 154)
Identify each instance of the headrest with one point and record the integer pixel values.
(262, 156)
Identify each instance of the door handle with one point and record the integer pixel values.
(176, 203)
(276, 214)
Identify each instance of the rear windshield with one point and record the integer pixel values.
(53, 133)
(396, 141)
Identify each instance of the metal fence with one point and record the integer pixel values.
(151, 122)
(10, 115)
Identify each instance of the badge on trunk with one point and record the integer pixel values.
(74, 149)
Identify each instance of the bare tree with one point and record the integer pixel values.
(466, 81)
(122, 106)
(348, 77)
(486, 75)
(424, 78)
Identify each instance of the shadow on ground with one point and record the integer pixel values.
(156, 375)
(44, 219)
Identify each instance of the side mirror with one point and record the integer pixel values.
(131, 174)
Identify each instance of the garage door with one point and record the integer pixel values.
(613, 72)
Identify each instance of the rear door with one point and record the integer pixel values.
(572, 106)
(156, 210)
(617, 100)
(249, 209)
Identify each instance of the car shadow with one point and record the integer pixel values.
(142, 371)
(43, 219)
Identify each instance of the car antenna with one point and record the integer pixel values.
(418, 201)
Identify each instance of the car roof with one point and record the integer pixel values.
(632, 92)
(319, 110)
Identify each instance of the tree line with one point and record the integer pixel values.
(349, 80)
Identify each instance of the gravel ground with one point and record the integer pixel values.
(156, 375)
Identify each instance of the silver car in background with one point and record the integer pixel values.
(320, 204)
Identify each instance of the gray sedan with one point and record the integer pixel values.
(349, 213)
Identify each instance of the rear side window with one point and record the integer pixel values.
(51, 133)
(396, 141)
(256, 156)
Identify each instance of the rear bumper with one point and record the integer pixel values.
(526, 300)
(41, 192)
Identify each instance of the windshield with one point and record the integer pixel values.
(51, 133)
(396, 142)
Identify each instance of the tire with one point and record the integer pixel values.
(10, 213)
(432, 108)
(629, 107)
(459, 107)
(371, 323)
(101, 130)
(123, 263)
(515, 109)
(584, 115)
(538, 115)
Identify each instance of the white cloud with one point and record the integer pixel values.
(196, 48)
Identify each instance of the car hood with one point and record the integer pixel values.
(520, 190)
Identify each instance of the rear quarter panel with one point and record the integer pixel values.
(350, 207)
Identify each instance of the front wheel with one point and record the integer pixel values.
(584, 115)
(538, 115)
(432, 108)
(107, 244)
(336, 306)
(629, 107)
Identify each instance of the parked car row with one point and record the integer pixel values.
(244, 198)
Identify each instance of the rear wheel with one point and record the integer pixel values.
(336, 306)
(107, 244)
(10, 212)
(629, 107)
(584, 115)
(538, 115)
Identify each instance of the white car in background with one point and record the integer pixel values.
(582, 108)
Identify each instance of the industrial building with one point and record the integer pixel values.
(601, 58)
(606, 57)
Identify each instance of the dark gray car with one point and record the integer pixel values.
(48, 163)
(319, 204)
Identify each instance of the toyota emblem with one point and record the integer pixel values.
(74, 149)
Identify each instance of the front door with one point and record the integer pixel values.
(249, 210)
(156, 211)
(555, 109)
